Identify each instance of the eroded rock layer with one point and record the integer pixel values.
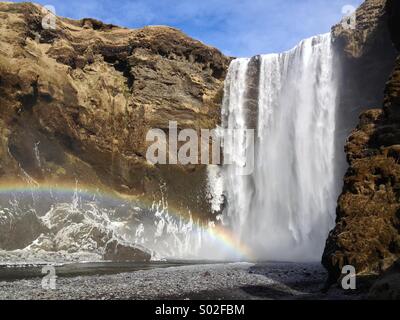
(367, 233)
(77, 102)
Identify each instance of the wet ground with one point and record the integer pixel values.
(31, 271)
(172, 280)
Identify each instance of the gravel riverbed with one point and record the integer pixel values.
(200, 281)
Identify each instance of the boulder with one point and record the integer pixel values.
(387, 287)
(117, 250)
(19, 229)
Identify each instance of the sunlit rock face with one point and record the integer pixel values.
(78, 101)
(367, 230)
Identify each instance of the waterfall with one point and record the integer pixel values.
(285, 208)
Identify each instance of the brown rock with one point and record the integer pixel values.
(365, 58)
(367, 232)
(118, 251)
(87, 93)
(370, 27)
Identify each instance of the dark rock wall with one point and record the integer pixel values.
(367, 232)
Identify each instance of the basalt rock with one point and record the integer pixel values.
(18, 230)
(367, 232)
(387, 287)
(77, 102)
(366, 58)
(119, 251)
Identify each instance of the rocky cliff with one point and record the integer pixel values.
(77, 102)
(367, 232)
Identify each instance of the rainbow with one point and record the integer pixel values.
(221, 235)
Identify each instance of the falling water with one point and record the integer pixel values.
(285, 208)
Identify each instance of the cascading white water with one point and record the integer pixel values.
(284, 210)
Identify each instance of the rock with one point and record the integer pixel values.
(370, 28)
(19, 229)
(387, 287)
(367, 231)
(66, 231)
(42, 243)
(117, 250)
(82, 237)
(87, 93)
(393, 12)
(74, 229)
(366, 57)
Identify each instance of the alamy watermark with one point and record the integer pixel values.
(49, 19)
(349, 278)
(190, 147)
(50, 278)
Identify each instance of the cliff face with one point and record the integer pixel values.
(77, 102)
(367, 233)
(366, 58)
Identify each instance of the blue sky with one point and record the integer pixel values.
(236, 27)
